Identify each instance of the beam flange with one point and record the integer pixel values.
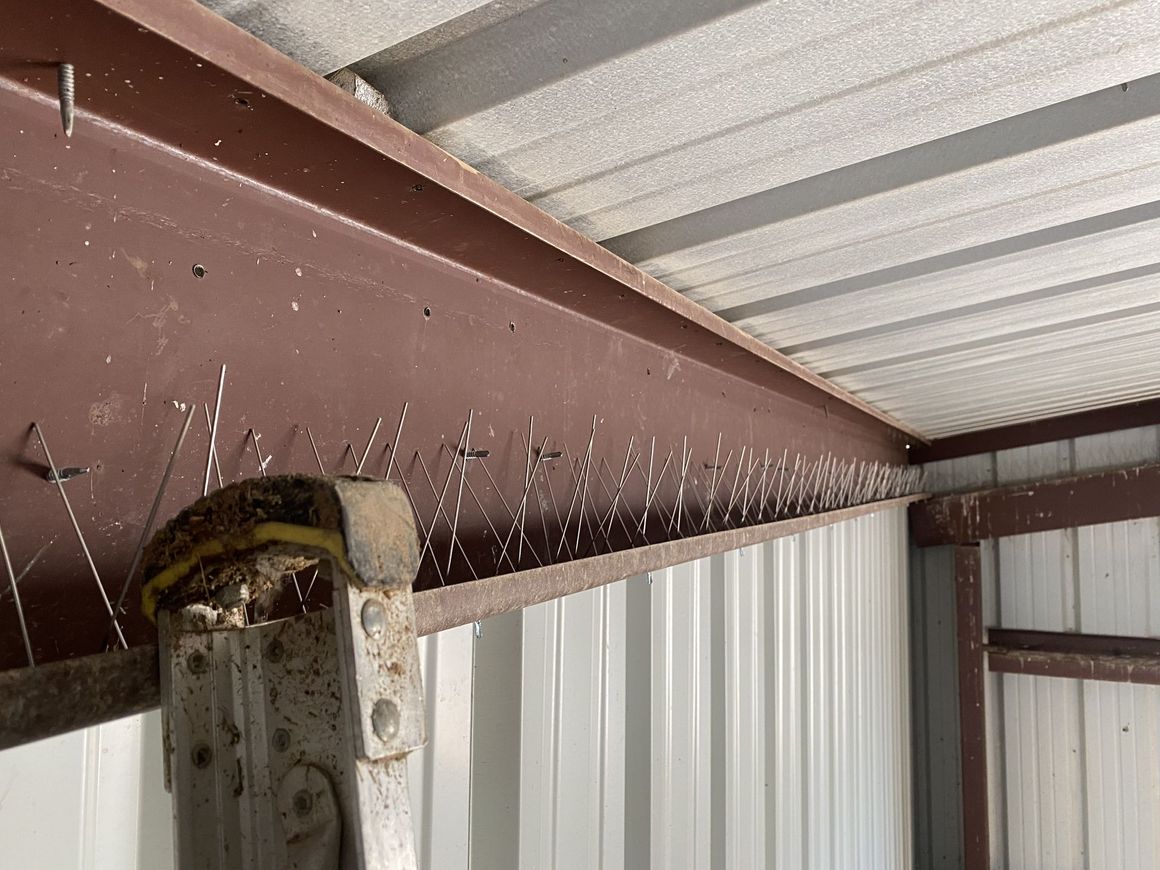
(1082, 500)
(439, 609)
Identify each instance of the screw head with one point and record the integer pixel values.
(202, 756)
(374, 618)
(303, 803)
(197, 662)
(281, 739)
(275, 650)
(385, 719)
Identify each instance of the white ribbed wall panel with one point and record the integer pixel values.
(745, 715)
(440, 773)
(89, 800)
(748, 710)
(680, 748)
(1073, 766)
(572, 753)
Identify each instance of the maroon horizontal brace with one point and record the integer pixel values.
(1077, 425)
(1069, 655)
(1084, 500)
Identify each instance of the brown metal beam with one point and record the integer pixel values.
(1113, 419)
(217, 203)
(1083, 500)
(89, 690)
(1074, 656)
(209, 90)
(972, 709)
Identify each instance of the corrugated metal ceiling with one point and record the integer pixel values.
(949, 209)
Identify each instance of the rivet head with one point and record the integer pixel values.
(385, 719)
(275, 650)
(202, 756)
(281, 739)
(374, 618)
(303, 803)
(197, 663)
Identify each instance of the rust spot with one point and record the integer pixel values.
(107, 411)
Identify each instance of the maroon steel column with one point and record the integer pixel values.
(972, 711)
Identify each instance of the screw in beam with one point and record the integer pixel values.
(66, 86)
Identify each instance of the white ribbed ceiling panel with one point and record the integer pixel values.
(950, 209)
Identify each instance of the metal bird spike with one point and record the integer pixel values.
(456, 460)
(643, 527)
(734, 492)
(314, 447)
(718, 480)
(459, 497)
(651, 495)
(524, 501)
(367, 449)
(514, 516)
(394, 445)
(613, 512)
(511, 531)
(443, 513)
(619, 487)
(762, 497)
(576, 493)
(80, 536)
(582, 519)
(713, 484)
(686, 457)
(439, 505)
(16, 601)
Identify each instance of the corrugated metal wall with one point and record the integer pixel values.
(743, 711)
(89, 800)
(1073, 766)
